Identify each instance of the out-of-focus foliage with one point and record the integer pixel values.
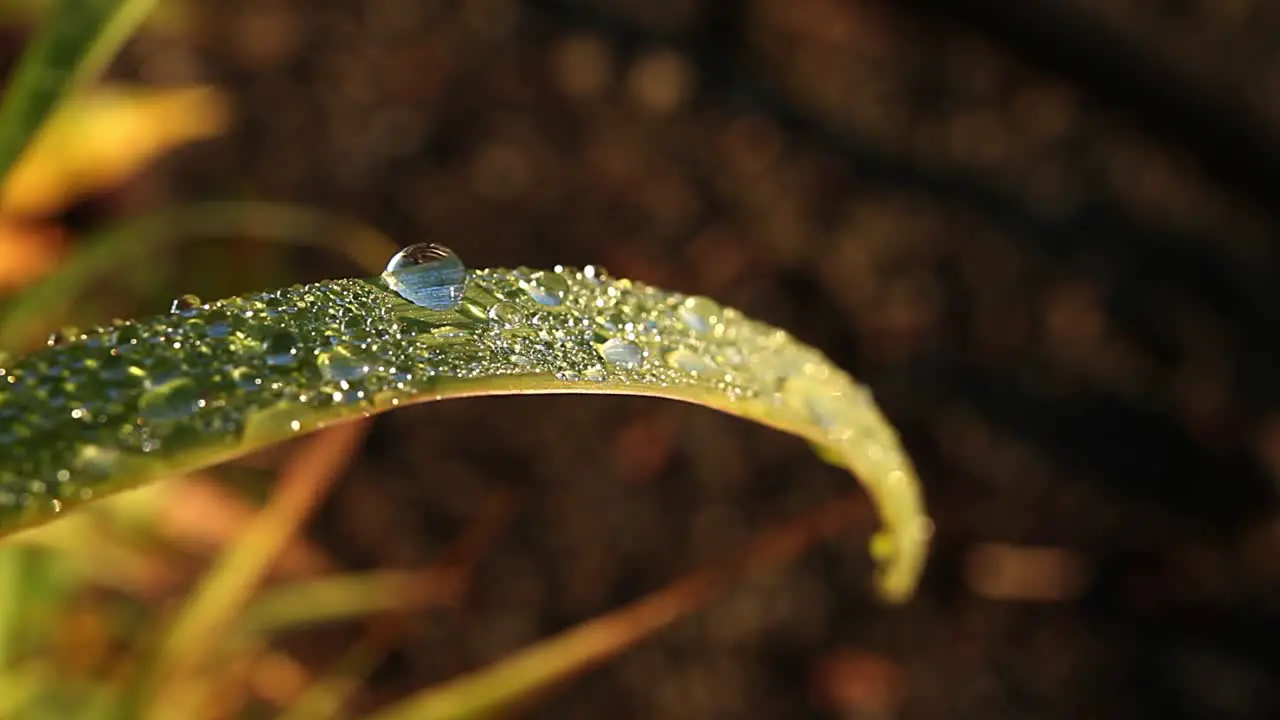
(100, 138)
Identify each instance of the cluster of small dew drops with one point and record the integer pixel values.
(133, 398)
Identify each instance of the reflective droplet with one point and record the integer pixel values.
(690, 361)
(95, 460)
(546, 288)
(218, 324)
(169, 402)
(622, 353)
(281, 348)
(595, 274)
(184, 302)
(507, 314)
(341, 364)
(701, 314)
(160, 370)
(829, 406)
(428, 275)
(245, 378)
(58, 337)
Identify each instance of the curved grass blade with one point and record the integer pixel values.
(79, 38)
(44, 304)
(126, 404)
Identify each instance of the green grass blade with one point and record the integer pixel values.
(336, 598)
(326, 696)
(78, 41)
(124, 405)
(22, 684)
(186, 647)
(112, 250)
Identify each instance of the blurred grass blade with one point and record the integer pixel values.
(28, 252)
(521, 675)
(22, 684)
(77, 42)
(210, 612)
(344, 597)
(152, 398)
(103, 136)
(43, 306)
(329, 693)
(11, 593)
(353, 595)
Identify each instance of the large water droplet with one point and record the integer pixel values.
(700, 314)
(184, 302)
(690, 362)
(622, 353)
(428, 275)
(507, 314)
(546, 288)
(833, 406)
(281, 348)
(341, 364)
(218, 324)
(60, 337)
(169, 402)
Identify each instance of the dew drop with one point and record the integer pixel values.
(546, 288)
(623, 353)
(114, 368)
(95, 460)
(184, 302)
(700, 314)
(691, 362)
(833, 406)
(281, 348)
(428, 275)
(169, 402)
(341, 364)
(595, 274)
(507, 314)
(245, 378)
(58, 337)
(218, 324)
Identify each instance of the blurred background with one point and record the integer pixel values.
(1043, 232)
